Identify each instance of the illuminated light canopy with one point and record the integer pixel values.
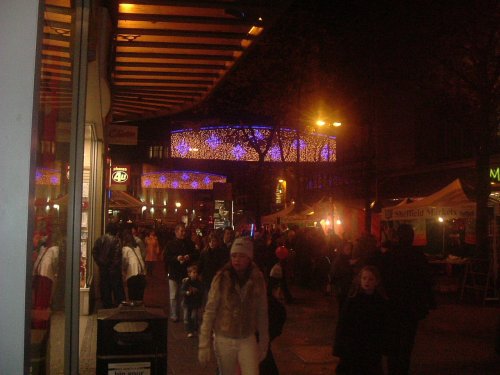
(244, 143)
(45, 176)
(181, 180)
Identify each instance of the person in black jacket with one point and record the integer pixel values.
(179, 253)
(107, 253)
(212, 259)
(409, 287)
(343, 273)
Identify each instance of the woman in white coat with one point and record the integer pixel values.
(133, 267)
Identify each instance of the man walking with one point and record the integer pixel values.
(179, 253)
(409, 287)
(107, 253)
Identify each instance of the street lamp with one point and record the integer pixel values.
(321, 123)
(441, 220)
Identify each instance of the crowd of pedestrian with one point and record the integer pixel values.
(383, 293)
(229, 289)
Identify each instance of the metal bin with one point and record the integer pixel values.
(131, 340)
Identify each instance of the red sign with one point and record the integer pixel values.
(122, 135)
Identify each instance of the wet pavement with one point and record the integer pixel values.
(456, 338)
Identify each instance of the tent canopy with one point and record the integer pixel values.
(122, 200)
(280, 215)
(450, 202)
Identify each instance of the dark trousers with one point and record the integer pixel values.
(111, 288)
(398, 361)
(149, 267)
(136, 285)
(268, 365)
(192, 315)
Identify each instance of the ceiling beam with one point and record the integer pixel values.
(192, 3)
(58, 37)
(48, 47)
(185, 33)
(170, 65)
(159, 98)
(58, 9)
(188, 19)
(134, 94)
(194, 46)
(167, 88)
(63, 68)
(175, 56)
(171, 81)
(144, 105)
(170, 91)
(148, 103)
(165, 74)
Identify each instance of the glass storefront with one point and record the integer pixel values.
(61, 184)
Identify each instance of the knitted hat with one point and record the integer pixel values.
(243, 245)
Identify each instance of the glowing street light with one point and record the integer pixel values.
(321, 123)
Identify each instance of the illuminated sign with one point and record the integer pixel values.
(120, 175)
(495, 174)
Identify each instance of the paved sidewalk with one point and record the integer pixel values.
(455, 338)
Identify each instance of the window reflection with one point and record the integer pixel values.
(51, 189)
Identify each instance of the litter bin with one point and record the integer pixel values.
(131, 340)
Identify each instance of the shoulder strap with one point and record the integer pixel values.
(38, 261)
(139, 260)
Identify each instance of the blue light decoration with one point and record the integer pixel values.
(238, 152)
(228, 143)
(182, 180)
(182, 148)
(213, 141)
(259, 136)
(46, 176)
(274, 153)
(325, 152)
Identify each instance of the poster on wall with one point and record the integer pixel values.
(223, 214)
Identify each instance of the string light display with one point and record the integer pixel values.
(183, 180)
(246, 142)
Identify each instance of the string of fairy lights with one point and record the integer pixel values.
(245, 143)
(181, 180)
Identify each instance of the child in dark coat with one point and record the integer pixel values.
(362, 326)
(192, 293)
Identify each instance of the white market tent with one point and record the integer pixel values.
(449, 203)
(278, 217)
